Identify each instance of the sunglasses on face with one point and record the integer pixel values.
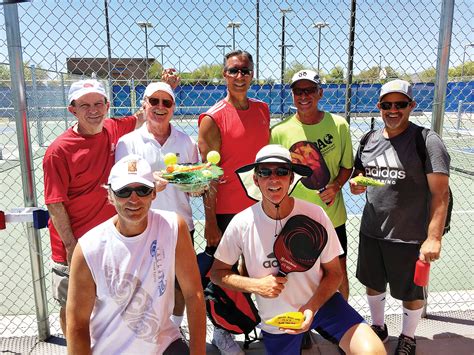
(236, 71)
(267, 172)
(141, 191)
(306, 91)
(154, 102)
(398, 105)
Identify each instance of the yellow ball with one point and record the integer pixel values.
(170, 159)
(213, 157)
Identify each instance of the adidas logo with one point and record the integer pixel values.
(267, 264)
(386, 167)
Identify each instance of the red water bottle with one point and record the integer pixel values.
(422, 273)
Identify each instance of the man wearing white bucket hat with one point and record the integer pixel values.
(254, 233)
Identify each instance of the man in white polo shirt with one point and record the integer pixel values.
(152, 142)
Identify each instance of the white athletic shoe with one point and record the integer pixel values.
(226, 344)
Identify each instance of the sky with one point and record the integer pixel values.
(403, 34)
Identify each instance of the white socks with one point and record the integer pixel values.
(410, 321)
(377, 308)
(177, 320)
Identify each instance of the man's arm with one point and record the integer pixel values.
(209, 138)
(80, 303)
(329, 284)
(269, 286)
(439, 188)
(188, 276)
(60, 219)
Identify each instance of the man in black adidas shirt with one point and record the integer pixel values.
(403, 220)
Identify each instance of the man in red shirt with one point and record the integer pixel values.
(237, 127)
(76, 165)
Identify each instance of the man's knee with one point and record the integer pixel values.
(361, 339)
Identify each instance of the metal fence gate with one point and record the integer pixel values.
(127, 43)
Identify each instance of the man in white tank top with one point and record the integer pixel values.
(121, 288)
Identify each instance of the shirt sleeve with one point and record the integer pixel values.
(125, 125)
(230, 246)
(347, 160)
(438, 159)
(56, 179)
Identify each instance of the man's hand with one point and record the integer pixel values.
(170, 77)
(308, 320)
(69, 250)
(160, 183)
(329, 195)
(357, 189)
(271, 286)
(430, 250)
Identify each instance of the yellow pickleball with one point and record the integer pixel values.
(170, 159)
(213, 157)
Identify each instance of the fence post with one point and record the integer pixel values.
(442, 65)
(459, 118)
(12, 25)
(64, 101)
(35, 106)
(350, 61)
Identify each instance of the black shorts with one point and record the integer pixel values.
(342, 236)
(380, 262)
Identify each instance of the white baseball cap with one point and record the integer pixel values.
(83, 87)
(309, 75)
(131, 169)
(400, 86)
(158, 86)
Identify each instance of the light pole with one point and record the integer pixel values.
(145, 25)
(162, 47)
(319, 25)
(283, 52)
(233, 25)
(223, 46)
(464, 57)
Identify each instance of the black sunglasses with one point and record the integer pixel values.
(267, 172)
(141, 191)
(166, 103)
(306, 91)
(236, 71)
(398, 105)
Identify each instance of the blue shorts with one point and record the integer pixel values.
(332, 321)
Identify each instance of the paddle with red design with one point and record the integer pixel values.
(307, 153)
(299, 244)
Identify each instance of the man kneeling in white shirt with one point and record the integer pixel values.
(252, 233)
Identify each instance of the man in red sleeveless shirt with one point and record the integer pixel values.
(237, 127)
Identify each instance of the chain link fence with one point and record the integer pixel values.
(126, 44)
